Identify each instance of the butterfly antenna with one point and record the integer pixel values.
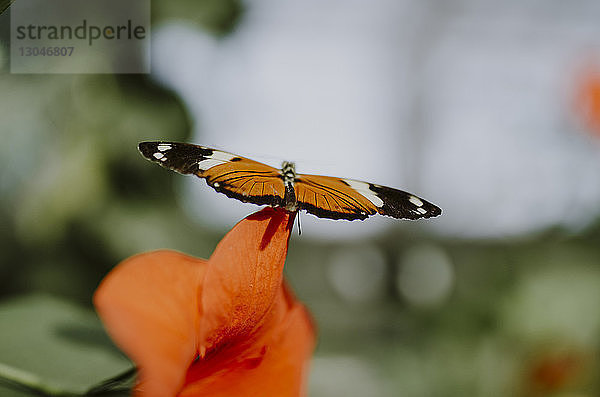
(299, 227)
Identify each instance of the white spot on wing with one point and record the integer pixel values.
(421, 210)
(363, 189)
(223, 156)
(163, 147)
(416, 201)
(158, 155)
(209, 163)
(216, 158)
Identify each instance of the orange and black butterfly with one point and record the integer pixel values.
(253, 182)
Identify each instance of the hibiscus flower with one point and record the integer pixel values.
(227, 326)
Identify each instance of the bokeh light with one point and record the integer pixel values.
(358, 273)
(425, 276)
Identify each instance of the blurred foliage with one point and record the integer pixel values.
(38, 330)
(4, 4)
(78, 136)
(216, 16)
(521, 317)
(76, 198)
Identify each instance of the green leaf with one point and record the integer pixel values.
(56, 348)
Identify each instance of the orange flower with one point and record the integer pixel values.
(228, 326)
(588, 99)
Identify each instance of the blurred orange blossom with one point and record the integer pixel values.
(228, 326)
(588, 98)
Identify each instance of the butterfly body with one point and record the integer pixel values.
(251, 181)
(288, 172)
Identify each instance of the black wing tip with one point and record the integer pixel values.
(411, 216)
(148, 148)
(431, 211)
(434, 212)
(403, 205)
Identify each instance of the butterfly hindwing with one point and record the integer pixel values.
(329, 197)
(235, 176)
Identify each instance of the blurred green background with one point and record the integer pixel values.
(404, 311)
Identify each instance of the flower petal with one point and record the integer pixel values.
(149, 305)
(275, 364)
(243, 277)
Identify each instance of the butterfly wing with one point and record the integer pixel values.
(337, 198)
(235, 176)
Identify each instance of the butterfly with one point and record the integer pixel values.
(254, 182)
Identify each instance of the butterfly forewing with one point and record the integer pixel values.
(248, 181)
(329, 197)
(235, 176)
(338, 198)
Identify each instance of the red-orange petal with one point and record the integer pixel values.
(243, 277)
(149, 306)
(273, 362)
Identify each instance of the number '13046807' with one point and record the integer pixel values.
(46, 51)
